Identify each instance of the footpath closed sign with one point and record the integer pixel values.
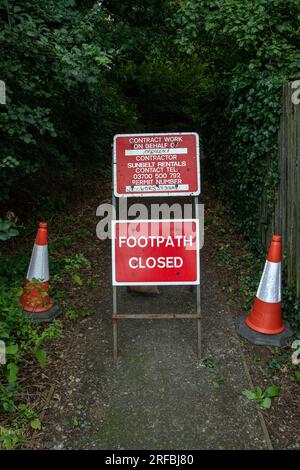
(164, 164)
(155, 252)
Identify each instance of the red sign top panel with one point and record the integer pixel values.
(155, 252)
(156, 164)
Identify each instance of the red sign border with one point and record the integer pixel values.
(167, 283)
(166, 193)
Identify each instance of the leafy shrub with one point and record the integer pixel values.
(62, 105)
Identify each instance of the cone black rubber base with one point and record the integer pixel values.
(48, 316)
(254, 337)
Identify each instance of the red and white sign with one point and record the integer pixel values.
(155, 252)
(156, 164)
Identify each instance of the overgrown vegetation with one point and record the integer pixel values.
(62, 103)
(252, 48)
(78, 72)
(24, 342)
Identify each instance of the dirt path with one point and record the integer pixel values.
(158, 395)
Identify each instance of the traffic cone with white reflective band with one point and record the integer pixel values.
(264, 325)
(265, 315)
(35, 299)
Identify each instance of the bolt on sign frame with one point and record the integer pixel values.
(156, 152)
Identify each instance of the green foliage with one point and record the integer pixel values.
(82, 313)
(80, 74)
(10, 438)
(252, 82)
(36, 424)
(93, 283)
(291, 309)
(75, 262)
(23, 340)
(77, 279)
(7, 230)
(75, 422)
(62, 105)
(262, 397)
(20, 335)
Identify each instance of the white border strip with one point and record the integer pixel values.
(177, 193)
(167, 283)
(167, 151)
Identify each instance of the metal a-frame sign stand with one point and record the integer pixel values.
(116, 316)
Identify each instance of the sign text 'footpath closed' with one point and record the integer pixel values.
(155, 252)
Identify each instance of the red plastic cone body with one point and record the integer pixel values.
(35, 296)
(266, 315)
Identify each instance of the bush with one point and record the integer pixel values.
(62, 106)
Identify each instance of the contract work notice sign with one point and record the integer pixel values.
(165, 164)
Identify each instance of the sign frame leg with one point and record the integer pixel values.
(115, 325)
(198, 293)
(114, 289)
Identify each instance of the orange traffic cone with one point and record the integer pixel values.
(264, 324)
(35, 298)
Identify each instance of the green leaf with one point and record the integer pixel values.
(4, 237)
(249, 394)
(259, 392)
(13, 232)
(266, 403)
(77, 279)
(41, 356)
(12, 349)
(12, 371)
(75, 422)
(274, 363)
(272, 391)
(27, 138)
(36, 424)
